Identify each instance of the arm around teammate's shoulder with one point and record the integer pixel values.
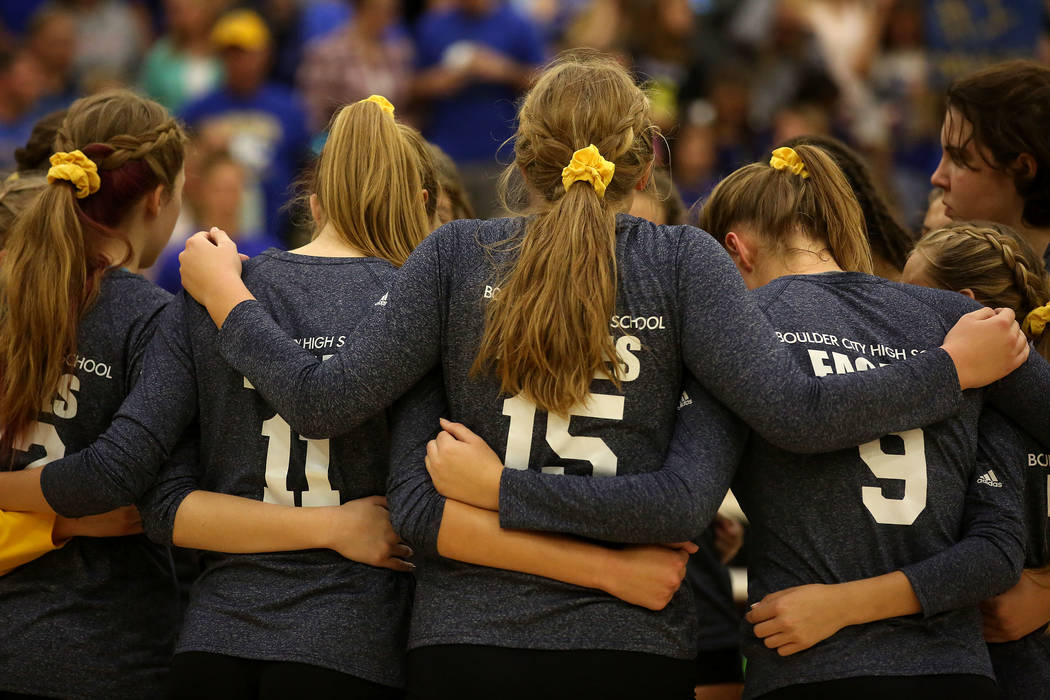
(123, 462)
(385, 354)
(730, 346)
(672, 504)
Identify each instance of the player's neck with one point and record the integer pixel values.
(801, 256)
(1038, 238)
(328, 243)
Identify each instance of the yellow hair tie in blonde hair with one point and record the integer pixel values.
(588, 165)
(1036, 321)
(76, 168)
(384, 103)
(785, 158)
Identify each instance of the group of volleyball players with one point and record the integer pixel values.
(382, 441)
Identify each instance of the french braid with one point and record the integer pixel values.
(992, 261)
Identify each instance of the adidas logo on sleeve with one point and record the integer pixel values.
(990, 479)
(382, 301)
(684, 401)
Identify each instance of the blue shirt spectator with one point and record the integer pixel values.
(475, 59)
(261, 124)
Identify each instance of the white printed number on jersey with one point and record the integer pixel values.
(909, 467)
(319, 491)
(522, 414)
(45, 435)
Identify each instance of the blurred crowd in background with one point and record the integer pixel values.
(256, 82)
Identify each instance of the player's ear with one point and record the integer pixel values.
(967, 292)
(315, 210)
(155, 200)
(740, 251)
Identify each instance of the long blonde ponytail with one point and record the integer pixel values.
(547, 330)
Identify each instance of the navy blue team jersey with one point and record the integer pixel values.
(1022, 667)
(312, 607)
(96, 618)
(680, 301)
(924, 500)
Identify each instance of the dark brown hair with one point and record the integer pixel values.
(41, 144)
(1008, 105)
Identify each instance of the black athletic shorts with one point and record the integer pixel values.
(719, 667)
(465, 672)
(959, 686)
(197, 675)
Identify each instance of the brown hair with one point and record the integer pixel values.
(664, 194)
(17, 192)
(547, 331)
(36, 151)
(779, 203)
(369, 183)
(451, 185)
(992, 261)
(1008, 105)
(428, 173)
(54, 260)
(886, 236)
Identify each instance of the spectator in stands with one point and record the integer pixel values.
(475, 59)
(110, 40)
(365, 57)
(694, 161)
(19, 97)
(181, 66)
(664, 44)
(52, 41)
(215, 200)
(261, 124)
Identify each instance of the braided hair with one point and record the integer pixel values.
(55, 253)
(995, 263)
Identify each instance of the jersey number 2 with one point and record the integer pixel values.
(45, 435)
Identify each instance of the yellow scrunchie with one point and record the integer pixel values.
(383, 103)
(785, 158)
(78, 169)
(588, 165)
(1036, 321)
